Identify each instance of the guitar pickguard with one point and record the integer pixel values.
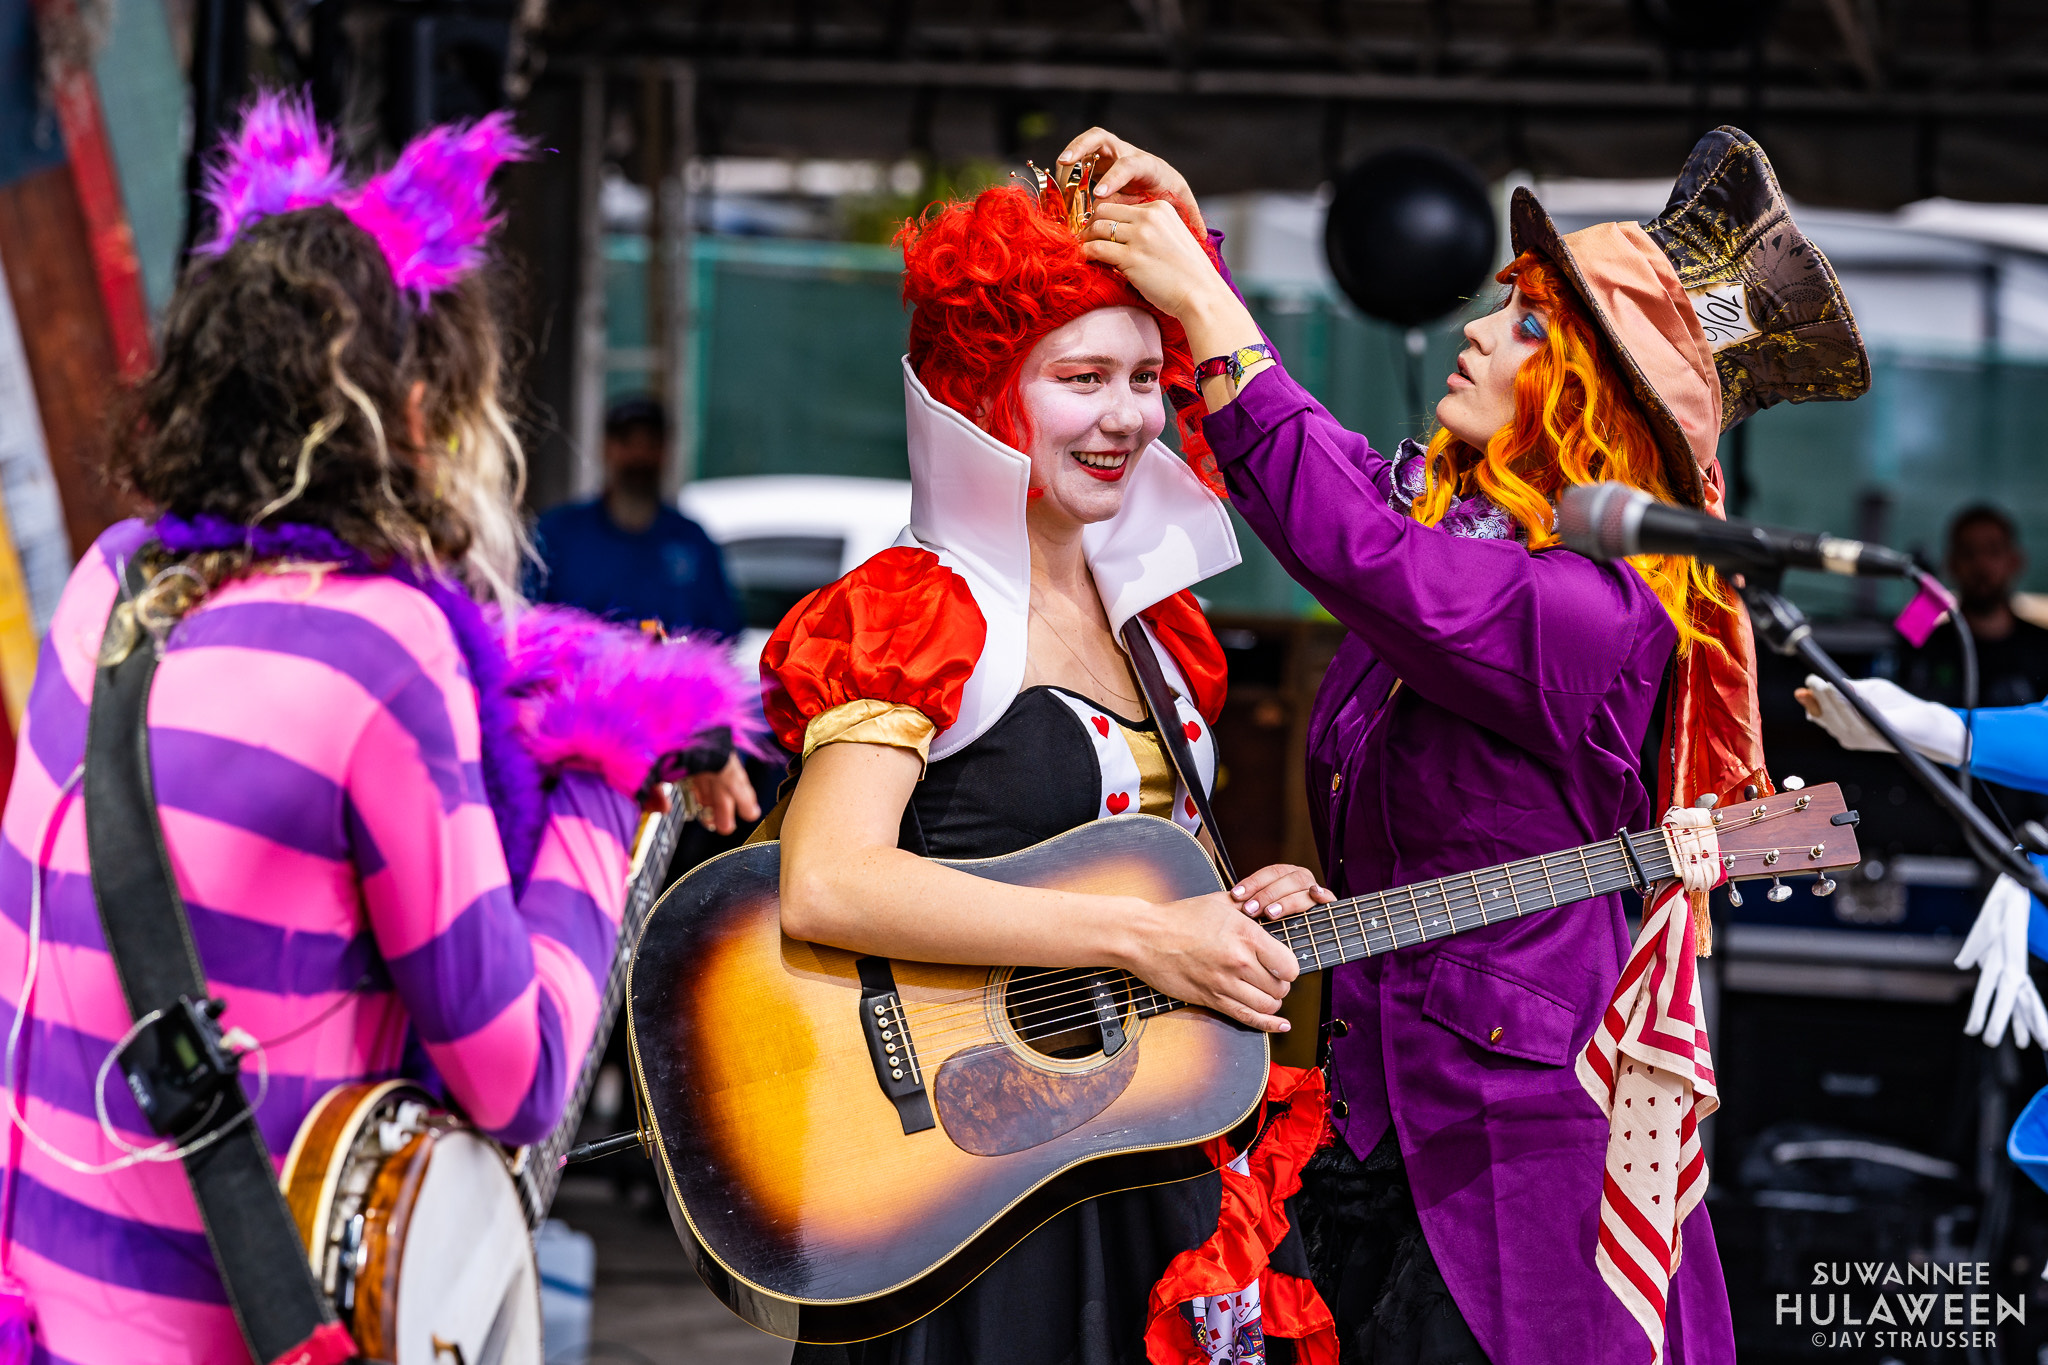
(992, 1102)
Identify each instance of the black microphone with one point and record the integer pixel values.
(1613, 521)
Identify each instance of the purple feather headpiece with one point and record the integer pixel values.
(430, 213)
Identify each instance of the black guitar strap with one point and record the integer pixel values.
(1159, 700)
(284, 1316)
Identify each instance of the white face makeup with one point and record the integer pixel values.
(1092, 393)
(1481, 392)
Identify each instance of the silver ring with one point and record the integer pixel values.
(1112, 233)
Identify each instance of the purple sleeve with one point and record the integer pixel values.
(503, 993)
(1525, 645)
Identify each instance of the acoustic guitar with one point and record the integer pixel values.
(418, 1226)
(845, 1142)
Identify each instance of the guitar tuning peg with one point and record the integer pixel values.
(1751, 792)
(1779, 892)
(1825, 886)
(1707, 802)
(1734, 895)
(1793, 784)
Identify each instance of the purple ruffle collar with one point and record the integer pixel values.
(512, 780)
(1476, 517)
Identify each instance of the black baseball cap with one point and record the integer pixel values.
(633, 411)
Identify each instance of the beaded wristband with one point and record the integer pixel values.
(1233, 364)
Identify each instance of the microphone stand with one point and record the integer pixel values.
(1784, 627)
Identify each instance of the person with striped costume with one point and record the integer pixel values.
(399, 821)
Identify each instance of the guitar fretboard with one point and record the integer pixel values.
(1366, 926)
(541, 1174)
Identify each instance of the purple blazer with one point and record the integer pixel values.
(1528, 681)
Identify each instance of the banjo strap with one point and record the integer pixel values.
(284, 1316)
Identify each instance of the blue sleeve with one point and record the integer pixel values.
(2009, 746)
(718, 610)
(540, 569)
(554, 536)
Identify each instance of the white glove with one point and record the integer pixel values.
(1934, 730)
(2029, 1016)
(1997, 947)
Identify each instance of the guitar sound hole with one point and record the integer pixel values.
(1053, 1011)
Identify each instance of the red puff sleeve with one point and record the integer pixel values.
(1181, 627)
(902, 628)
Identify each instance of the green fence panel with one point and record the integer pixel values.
(797, 346)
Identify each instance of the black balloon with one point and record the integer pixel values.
(1411, 235)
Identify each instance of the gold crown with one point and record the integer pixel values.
(1070, 200)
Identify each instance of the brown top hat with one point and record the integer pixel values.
(1717, 307)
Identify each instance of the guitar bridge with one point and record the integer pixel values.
(1109, 1014)
(887, 1029)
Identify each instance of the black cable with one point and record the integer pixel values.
(1785, 629)
(1969, 646)
(362, 986)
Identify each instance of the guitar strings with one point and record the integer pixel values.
(1341, 938)
(1465, 902)
(1463, 912)
(1459, 913)
(973, 1005)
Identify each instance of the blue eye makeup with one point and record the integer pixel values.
(1531, 328)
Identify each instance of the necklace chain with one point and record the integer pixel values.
(1085, 665)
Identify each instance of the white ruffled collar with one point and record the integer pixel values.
(968, 495)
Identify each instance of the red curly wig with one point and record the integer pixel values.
(989, 278)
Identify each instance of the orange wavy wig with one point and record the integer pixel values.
(1575, 421)
(988, 278)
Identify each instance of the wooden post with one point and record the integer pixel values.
(587, 417)
(112, 244)
(220, 69)
(654, 141)
(50, 274)
(678, 335)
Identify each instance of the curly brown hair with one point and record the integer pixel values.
(285, 391)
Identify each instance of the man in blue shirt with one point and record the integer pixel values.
(629, 555)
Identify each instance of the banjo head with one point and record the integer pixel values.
(415, 1229)
(466, 1277)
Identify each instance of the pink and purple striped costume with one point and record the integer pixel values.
(315, 745)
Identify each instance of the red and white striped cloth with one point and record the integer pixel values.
(1648, 1066)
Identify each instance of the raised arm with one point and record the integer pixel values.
(1523, 644)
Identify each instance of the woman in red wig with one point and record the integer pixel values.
(964, 695)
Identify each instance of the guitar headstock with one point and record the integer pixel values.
(1787, 834)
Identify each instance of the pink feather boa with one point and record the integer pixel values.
(602, 697)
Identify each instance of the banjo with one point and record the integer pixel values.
(419, 1228)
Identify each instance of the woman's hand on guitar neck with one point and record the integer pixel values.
(1281, 889)
(1207, 952)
